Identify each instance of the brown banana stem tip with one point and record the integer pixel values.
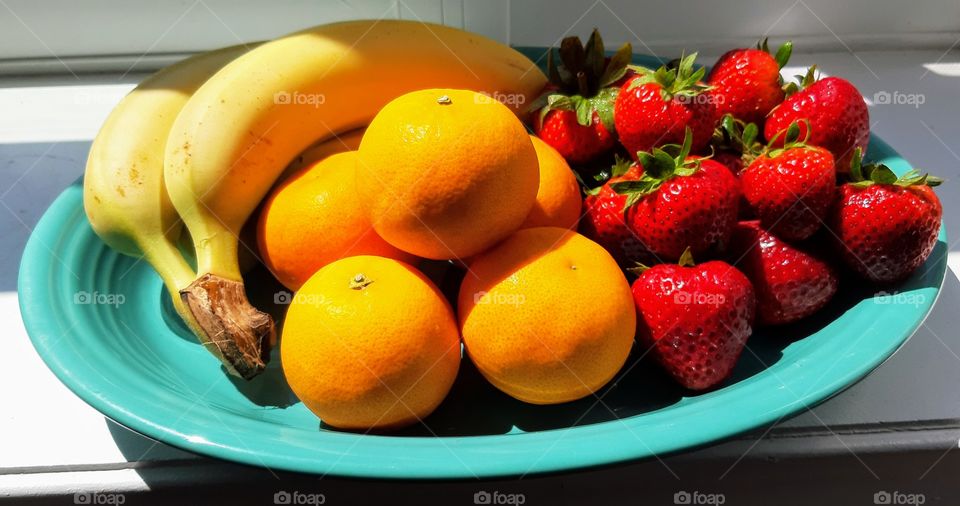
(236, 332)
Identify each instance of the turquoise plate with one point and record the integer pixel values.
(102, 322)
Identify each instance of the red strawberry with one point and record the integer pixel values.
(575, 112)
(694, 319)
(575, 142)
(603, 219)
(837, 116)
(886, 226)
(655, 108)
(790, 189)
(747, 82)
(790, 281)
(680, 202)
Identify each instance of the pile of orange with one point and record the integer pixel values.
(369, 342)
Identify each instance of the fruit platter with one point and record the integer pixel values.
(401, 250)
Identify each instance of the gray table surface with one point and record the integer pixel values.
(894, 432)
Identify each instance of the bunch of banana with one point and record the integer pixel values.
(235, 136)
(124, 195)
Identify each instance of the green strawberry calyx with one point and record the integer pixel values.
(660, 166)
(686, 260)
(620, 167)
(791, 139)
(803, 81)
(583, 80)
(782, 56)
(675, 78)
(862, 176)
(734, 135)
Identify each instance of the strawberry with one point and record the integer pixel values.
(837, 116)
(885, 226)
(790, 189)
(655, 108)
(680, 201)
(603, 219)
(574, 114)
(577, 143)
(790, 282)
(746, 82)
(694, 319)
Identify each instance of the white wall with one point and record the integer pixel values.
(34, 34)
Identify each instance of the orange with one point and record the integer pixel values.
(370, 343)
(546, 315)
(446, 173)
(348, 141)
(314, 218)
(558, 201)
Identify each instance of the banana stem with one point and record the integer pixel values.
(240, 334)
(216, 310)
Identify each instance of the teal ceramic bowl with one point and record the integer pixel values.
(104, 325)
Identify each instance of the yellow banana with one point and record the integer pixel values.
(124, 195)
(244, 125)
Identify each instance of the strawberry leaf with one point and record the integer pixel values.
(762, 45)
(856, 163)
(749, 136)
(595, 58)
(658, 164)
(793, 133)
(633, 198)
(591, 191)
(584, 110)
(618, 65)
(620, 166)
(637, 189)
(572, 54)
(686, 258)
(882, 174)
(783, 54)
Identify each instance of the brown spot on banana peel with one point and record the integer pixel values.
(236, 332)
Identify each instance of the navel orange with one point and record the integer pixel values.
(446, 173)
(370, 343)
(546, 315)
